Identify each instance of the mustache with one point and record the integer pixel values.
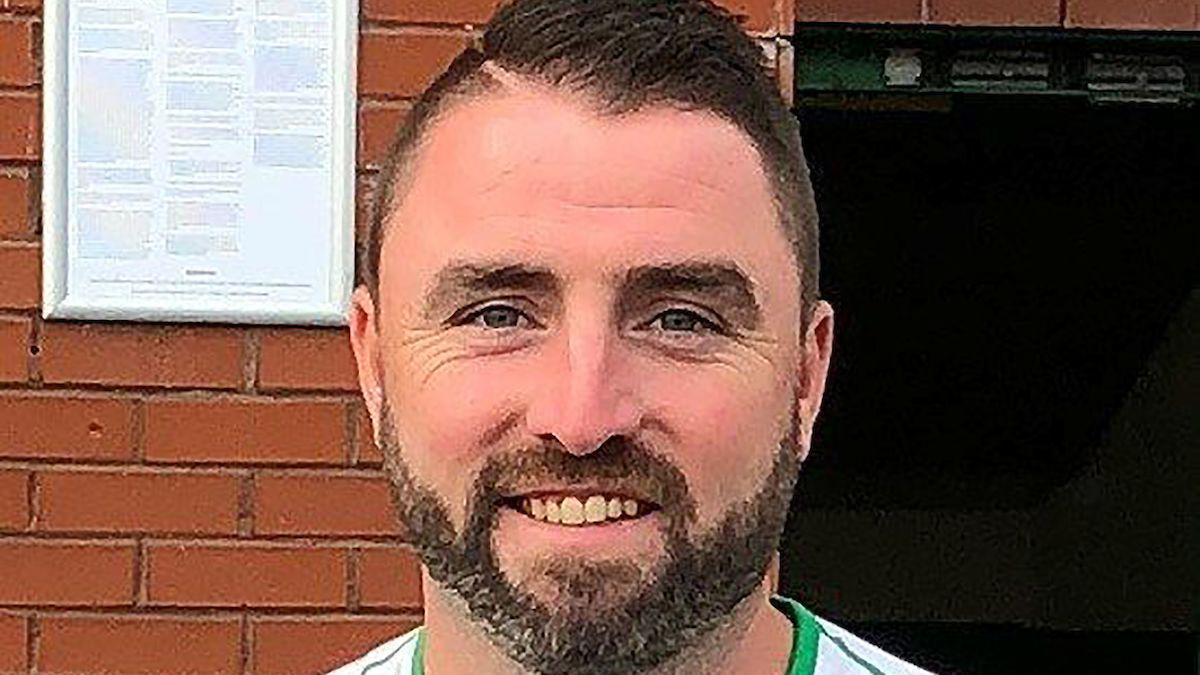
(620, 462)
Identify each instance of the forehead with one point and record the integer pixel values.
(539, 177)
(523, 139)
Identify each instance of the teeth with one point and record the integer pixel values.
(595, 510)
(573, 511)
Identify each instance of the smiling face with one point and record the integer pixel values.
(602, 309)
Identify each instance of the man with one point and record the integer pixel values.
(591, 344)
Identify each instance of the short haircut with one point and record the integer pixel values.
(623, 56)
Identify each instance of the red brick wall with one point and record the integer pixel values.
(207, 498)
(1102, 14)
(199, 498)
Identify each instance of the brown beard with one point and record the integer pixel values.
(690, 595)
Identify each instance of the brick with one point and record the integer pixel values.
(859, 11)
(787, 16)
(146, 645)
(78, 428)
(377, 126)
(20, 126)
(20, 275)
(65, 573)
(389, 577)
(365, 191)
(240, 576)
(397, 65)
(307, 359)
(1144, 15)
(1010, 13)
(245, 430)
(423, 11)
(14, 500)
(757, 16)
(164, 356)
(105, 501)
(16, 193)
(21, 4)
(13, 638)
(14, 348)
(368, 452)
(286, 646)
(17, 67)
(323, 505)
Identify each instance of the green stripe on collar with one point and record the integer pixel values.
(418, 664)
(806, 632)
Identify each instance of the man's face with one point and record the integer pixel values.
(573, 305)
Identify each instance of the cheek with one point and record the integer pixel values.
(444, 418)
(727, 431)
(452, 412)
(724, 423)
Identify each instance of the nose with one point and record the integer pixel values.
(584, 395)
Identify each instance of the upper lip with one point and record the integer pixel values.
(583, 492)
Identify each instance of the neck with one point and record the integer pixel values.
(756, 640)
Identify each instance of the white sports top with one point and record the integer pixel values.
(819, 647)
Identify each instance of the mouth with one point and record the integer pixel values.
(577, 509)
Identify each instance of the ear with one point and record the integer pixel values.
(364, 339)
(813, 368)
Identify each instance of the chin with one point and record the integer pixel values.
(582, 587)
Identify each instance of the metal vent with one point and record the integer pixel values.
(1125, 78)
(1009, 70)
(1098, 67)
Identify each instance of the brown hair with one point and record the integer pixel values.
(623, 56)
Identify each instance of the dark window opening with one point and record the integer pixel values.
(1000, 270)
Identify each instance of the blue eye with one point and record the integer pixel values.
(677, 322)
(683, 321)
(495, 317)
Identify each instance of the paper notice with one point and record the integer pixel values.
(200, 144)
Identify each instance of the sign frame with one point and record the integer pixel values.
(58, 301)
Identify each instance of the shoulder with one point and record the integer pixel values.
(822, 647)
(394, 657)
(840, 652)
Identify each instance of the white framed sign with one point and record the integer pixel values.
(199, 160)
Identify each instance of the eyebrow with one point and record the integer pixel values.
(461, 281)
(719, 282)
